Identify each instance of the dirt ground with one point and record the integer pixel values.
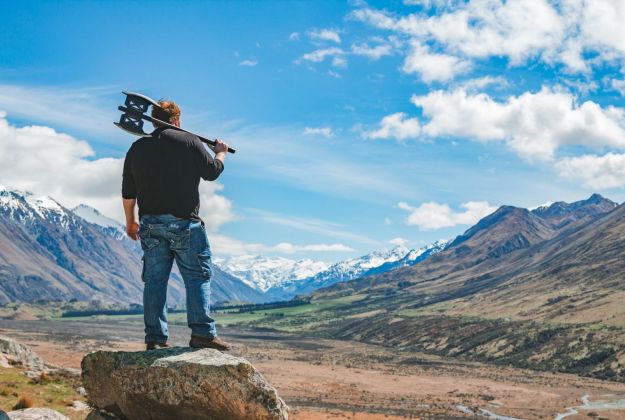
(329, 379)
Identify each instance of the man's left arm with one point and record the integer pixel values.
(129, 198)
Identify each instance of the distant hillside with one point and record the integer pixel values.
(49, 252)
(541, 289)
(498, 248)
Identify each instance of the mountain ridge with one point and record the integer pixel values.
(48, 252)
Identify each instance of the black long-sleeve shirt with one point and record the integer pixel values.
(163, 173)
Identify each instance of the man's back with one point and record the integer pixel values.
(163, 172)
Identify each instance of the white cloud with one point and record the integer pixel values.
(618, 85)
(556, 32)
(320, 55)
(294, 36)
(397, 126)
(289, 248)
(398, 242)
(597, 172)
(339, 61)
(532, 124)
(334, 74)
(45, 162)
(374, 53)
(319, 131)
(318, 226)
(477, 84)
(431, 3)
(88, 110)
(248, 63)
(331, 35)
(432, 216)
(225, 245)
(433, 67)
(388, 221)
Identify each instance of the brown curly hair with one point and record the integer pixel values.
(169, 112)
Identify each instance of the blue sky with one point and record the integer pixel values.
(356, 123)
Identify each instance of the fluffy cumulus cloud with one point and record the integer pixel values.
(597, 172)
(534, 125)
(432, 66)
(432, 216)
(398, 126)
(331, 35)
(575, 33)
(372, 52)
(45, 162)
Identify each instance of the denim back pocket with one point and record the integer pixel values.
(180, 241)
(147, 242)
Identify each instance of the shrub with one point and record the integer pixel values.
(25, 401)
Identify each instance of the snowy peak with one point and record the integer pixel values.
(92, 215)
(24, 207)
(373, 263)
(31, 210)
(415, 254)
(45, 205)
(262, 273)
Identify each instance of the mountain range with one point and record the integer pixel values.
(262, 272)
(369, 264)
(49, 252)
(538, 288)
(499, 248)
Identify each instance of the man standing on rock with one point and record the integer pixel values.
(162, 173)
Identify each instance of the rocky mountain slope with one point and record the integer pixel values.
(498, 247)
(539, 289)
(49, 252)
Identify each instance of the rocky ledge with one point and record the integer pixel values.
(179, 383)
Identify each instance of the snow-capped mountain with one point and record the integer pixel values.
(262, 272)
(373, 263)
(49, 252)
(26, 208)
(92, 215)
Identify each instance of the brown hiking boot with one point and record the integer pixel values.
(154, 346)
(217, 343)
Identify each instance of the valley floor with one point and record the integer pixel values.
(333, 379)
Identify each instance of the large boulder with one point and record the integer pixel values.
(36, 414)
(179, 383)
(13, 353)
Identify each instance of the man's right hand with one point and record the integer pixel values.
(132, 230)
(219, 146)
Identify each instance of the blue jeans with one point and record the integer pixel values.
(165, 238)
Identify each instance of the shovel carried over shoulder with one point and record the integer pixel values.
(135, 111)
